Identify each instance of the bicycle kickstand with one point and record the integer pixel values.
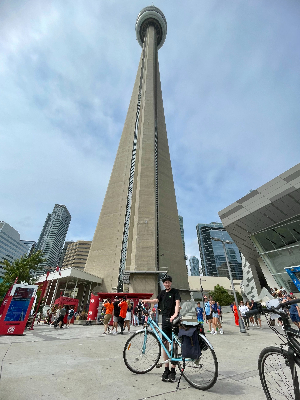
(181, 373)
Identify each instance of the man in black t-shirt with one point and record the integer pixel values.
(169, 304)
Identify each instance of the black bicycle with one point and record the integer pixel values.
(277, 365)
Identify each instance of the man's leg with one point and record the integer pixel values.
(121, 323)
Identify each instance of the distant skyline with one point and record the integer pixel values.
(231, 90)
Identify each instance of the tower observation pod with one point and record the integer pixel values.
(137, 237)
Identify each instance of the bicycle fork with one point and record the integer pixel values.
(292, 364)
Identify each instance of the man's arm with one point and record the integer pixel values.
(153, 301)
(177, 306)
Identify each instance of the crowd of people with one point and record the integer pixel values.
(212, 315)
(124, 314)
(57, 316)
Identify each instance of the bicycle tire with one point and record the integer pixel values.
(141, 354)
(202, 374)
(276, 375)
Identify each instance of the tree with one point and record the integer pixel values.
(220, 295)
(24, 268)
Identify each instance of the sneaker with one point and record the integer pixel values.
(104, 333)
(165, 375)
(212, 331)
(114, 333)
(172, 376)
(208, 331)
(215, 333)
(221, 331)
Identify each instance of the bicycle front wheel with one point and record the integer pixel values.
(202, 373)
(141, 352)
(276, 375)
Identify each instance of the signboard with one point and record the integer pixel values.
(126, 278)
(17, 309)
(294, 273)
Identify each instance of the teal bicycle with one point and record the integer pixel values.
(142, 353)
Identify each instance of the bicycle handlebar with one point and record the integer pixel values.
(272, 309)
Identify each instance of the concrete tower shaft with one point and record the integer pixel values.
(138, 229)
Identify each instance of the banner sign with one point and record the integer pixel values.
(17, 309)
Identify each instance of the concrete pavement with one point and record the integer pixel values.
(81, 363)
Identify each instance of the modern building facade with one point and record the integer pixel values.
(11, 247)
(30, 246)
(139, 222)
(265, 224)
(194, 266)
(76, 254)
(63, 253)
(213, 259)
(53, 235)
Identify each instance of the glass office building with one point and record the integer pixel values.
(11, 247)
(212, 254)
(194, 266)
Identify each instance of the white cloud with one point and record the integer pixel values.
(230, 81)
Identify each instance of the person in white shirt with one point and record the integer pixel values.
(243, 309)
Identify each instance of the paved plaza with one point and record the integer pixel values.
(81, 363)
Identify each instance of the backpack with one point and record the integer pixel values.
(190, 346)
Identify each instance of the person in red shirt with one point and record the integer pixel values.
(236, 315)
(108, 313)
(123, 310)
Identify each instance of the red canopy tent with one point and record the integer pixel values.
(67, 301)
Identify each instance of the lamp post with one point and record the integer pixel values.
(241, 322)
(201, 289)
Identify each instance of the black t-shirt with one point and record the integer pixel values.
(167, 301)
(116, 308)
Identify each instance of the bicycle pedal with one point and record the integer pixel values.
(159, 365)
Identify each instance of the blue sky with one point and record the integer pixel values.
(231, 89)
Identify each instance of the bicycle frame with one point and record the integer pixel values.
(170, 353)
(154, 327)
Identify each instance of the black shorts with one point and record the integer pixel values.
(208, 317)
(167, 328)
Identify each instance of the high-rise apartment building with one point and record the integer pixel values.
(194, 266)
(181, 231)
(138, 222)
(212, 254)
(11, 247)
(53, 235)
(63, 253)
(76, 254)
(30, 246)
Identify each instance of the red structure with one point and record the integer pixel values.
(67, 301)
(15, 309)
(95, 300)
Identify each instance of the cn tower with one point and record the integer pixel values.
(137, 237)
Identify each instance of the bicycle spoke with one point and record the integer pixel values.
(141, 353)
(276, 374)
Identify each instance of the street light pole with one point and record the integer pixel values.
(241, 322)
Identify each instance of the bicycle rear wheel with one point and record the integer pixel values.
(202, 373)
(276, 375)
(141, 352)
